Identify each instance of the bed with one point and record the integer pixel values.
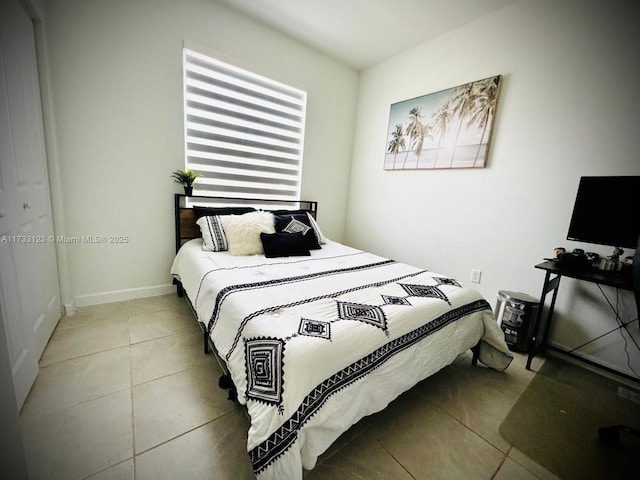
(315, 341)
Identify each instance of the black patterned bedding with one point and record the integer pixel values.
(310, 340)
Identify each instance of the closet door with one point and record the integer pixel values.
(29, 288)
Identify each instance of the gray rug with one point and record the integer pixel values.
(555, 422)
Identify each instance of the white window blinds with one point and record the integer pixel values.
(243, 132)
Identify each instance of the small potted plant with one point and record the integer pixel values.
(186, 178)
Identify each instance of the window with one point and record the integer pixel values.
(243, 132)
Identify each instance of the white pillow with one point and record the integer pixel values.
(243, 232)
(213, 236)
(316, 228)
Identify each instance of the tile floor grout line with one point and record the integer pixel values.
(55, 362)
(320, 458)
(518, 463)
(505, 455)
(142, 452)
(190, 367)
(395, 459)
(106, 468)
(504, 459)
(160, 338)
(82, 402)
(479, 435)
(133, 413)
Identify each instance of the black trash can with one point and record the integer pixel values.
(516, 313)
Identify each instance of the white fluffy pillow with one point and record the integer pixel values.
(243, 232)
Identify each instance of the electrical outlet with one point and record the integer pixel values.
(476, 275)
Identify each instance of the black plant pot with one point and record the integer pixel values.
(188, 190)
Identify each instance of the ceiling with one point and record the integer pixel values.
(362, 33)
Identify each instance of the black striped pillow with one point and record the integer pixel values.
(213, 236)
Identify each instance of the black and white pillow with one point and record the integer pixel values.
(213, 236)
(301, 224)
(316, 228)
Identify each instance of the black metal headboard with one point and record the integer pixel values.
(189, 208)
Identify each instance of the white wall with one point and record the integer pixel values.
(116, 77)
(568, 107)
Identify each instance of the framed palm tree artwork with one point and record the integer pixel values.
(446, 129)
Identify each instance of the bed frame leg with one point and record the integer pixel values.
(476, 354)
(179, 288)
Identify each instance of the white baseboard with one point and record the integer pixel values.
(122, 295)
(69, 308)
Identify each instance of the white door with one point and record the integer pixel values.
(29, 288)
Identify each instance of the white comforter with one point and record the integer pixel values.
(314, 344)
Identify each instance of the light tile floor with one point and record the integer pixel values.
(125, 392)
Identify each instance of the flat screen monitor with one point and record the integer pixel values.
(607, 211)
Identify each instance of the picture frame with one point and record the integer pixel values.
(451, 128)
